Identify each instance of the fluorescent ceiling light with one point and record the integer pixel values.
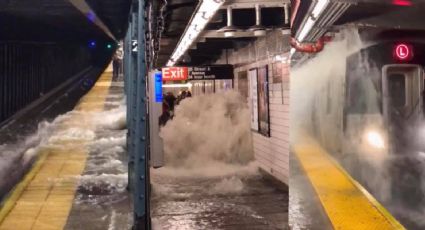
(319, 7)
(306, 28)
(188, 85)
(317, 10)
(291, 53)
(203, 14)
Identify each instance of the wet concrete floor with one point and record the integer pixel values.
(226, 202)
(102, 200)
(229, 202)
(232, 202)
(306, 211)
(20, 133)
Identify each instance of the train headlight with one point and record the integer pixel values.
(375, 139)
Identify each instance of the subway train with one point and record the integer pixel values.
(371, 119)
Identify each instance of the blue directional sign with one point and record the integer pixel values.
(158, 87)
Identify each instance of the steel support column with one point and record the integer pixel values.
(131, 77)
(137, 137)
(141, 217)
(129, 74)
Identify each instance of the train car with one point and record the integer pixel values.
(372, 119)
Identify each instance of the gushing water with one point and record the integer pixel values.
(208, 141)
(319, 95)
(17, 157)
(209, 128)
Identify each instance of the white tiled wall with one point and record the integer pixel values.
(272, 153)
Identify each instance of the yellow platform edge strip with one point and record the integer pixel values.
(13, 197)
(16, 193)
(337, 218)
(372, 199)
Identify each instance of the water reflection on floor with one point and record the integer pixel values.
(223, 202)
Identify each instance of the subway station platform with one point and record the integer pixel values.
(246, 199)
(79, 180)
(54, 194)
(324, 196)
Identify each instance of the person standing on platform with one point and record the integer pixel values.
(170, 99)
(165, 116)
(182, 96)
(117, 63)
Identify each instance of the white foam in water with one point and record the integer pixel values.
(208, 129)
(227, 186)
(307, 83)
(113, 220)
(111, 141)
(51, 134)
(208, 139)
(311, 77)
(73, 134)
(211, 169)
(112, 119)
(113, 182)
(29, 154)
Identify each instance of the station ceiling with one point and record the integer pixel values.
(371, 15)
(173, 15)
(210, 44)
(62, 20)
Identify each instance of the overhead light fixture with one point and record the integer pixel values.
(285, 30)
(317, 10)
(292, 52)
(306, 28)
(286, 11)
(230, 29)
(205, 10)
(258, 29)
(188, 85)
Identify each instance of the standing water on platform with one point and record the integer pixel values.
(95, 131)
(210, 179)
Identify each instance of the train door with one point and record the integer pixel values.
(402, 89)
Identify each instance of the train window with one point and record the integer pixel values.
(362, 95)
(397, 89)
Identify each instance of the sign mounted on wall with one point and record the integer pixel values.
(158, 87)
(174, 74)
(134, 45)
(212, 72)
(263, 101)
(253, 97)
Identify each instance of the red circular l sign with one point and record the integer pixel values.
(403, 52)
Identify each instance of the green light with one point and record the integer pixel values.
(109, 46)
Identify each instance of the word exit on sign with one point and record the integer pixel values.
(174, 73)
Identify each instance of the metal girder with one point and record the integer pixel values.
(137, 136)
(312, 27)
(237, 34)
(246, 4)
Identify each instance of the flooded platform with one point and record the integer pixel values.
(325, 196)
(79, 180)
(67, 169)
(246, 199)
